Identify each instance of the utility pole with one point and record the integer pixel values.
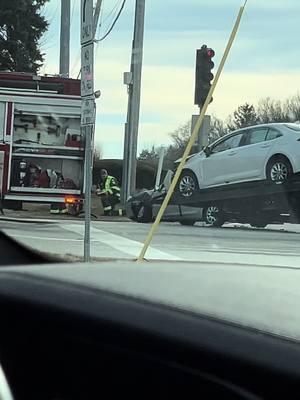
(64, 59)
(96, 16)
(133, 80)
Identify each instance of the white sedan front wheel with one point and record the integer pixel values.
(187, 184)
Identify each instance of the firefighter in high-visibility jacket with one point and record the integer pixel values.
(109, 191)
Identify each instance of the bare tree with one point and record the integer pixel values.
(181, 135)
(293, 108)
(97, 155)
(270, 110)
(217, 129)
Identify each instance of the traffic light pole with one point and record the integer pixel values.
(204, 130)
(203, 78)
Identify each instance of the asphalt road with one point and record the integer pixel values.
(277, 245)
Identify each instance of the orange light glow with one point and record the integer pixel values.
(70, 200)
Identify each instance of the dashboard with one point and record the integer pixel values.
(78, 331)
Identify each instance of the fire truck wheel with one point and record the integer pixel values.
(74, 209)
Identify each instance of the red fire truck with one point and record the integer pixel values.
(41, 147)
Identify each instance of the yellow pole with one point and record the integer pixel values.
(193, 137)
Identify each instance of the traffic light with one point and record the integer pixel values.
(204, 76)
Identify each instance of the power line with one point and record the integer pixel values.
(73, 10)
(75, 62)
(54, 14)
(47, 38)
(112, 11)
(113, 24)
(110, 29)
(101, 16)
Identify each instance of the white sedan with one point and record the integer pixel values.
(269, 151)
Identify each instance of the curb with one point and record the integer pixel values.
(59, 221)
(31, 220)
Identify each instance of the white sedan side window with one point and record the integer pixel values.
(228, 144)
(273, 134)
(256, 136)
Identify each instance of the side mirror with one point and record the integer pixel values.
(207, 151)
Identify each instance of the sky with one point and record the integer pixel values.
(264, 61)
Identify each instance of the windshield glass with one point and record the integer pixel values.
(98, 107)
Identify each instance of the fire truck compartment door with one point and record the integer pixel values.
(2, 120)
(1, 169)
(48, 109)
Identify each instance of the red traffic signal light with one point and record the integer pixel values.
(210, 53)
(204, 76)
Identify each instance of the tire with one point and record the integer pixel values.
(75, 209)
(187, 184)
(259, 220)
(213, 215)
(14, 205)
(144, 214)
(294, 216)
(279, 169)
(258, 223)
(187, 222)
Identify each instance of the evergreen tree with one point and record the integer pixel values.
(244, 116)
(149, 155)
(21, 28)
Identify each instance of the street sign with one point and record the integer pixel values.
(87, 21)
(87, 73)
(87, 111)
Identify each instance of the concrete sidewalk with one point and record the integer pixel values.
(41, 213)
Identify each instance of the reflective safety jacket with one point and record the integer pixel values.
(110, 186)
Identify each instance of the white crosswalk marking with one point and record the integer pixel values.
(124, 245)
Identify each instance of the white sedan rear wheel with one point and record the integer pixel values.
(279, 169)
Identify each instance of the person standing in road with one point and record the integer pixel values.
(109, 191)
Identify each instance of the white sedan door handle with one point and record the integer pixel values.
(232, 153)
(264, 146)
